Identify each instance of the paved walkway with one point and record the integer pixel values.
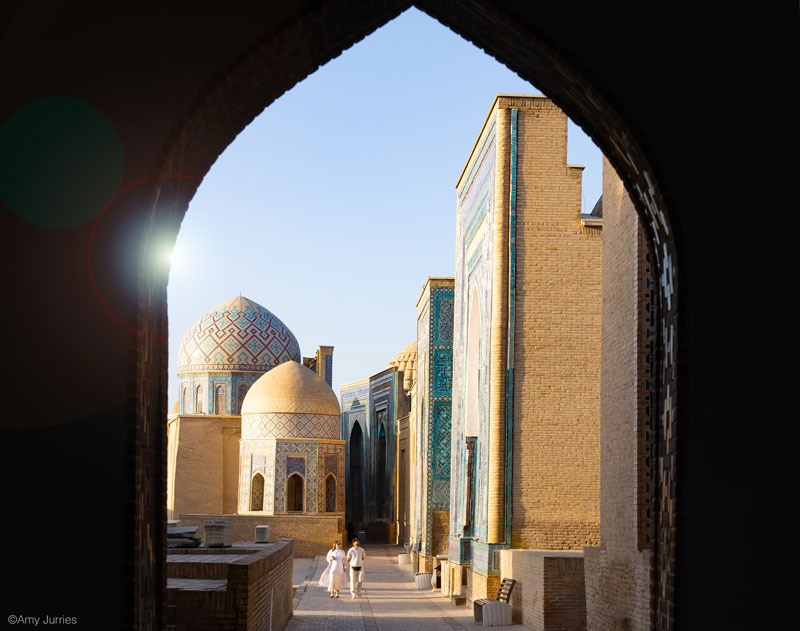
(390, 600)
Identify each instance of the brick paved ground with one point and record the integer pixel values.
(390, 600)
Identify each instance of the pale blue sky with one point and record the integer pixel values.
(333, 207)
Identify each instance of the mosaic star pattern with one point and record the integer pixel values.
(317, 426)
(237, 335)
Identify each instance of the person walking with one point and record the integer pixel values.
(355, 557)
(333, 576)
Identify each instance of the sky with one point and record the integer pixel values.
(337, 203)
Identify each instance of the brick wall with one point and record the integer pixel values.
(440, 532)
(482, 585)
(206, 452)
(453, 575)
(618, 574)
(311, 534)
(556, 415)
(549, 593)
(258, 594)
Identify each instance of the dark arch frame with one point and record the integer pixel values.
(299, 48)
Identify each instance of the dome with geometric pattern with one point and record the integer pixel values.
(238, 335)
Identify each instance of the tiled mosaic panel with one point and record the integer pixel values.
(473, 274)
(441, 453)
(486, 556)
(234, 387)
(331, 465)
(476, 197)
(480, 557)
(288, 458)
(254, 463)
(237, 335)
(434, 373)
(422, 524)
(316, 426)
(443, 316)
(443, 373)
(285, 451)
(332, 459)
(295, 465)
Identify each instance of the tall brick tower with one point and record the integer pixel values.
(526, 349)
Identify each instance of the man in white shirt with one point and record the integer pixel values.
(355, 557)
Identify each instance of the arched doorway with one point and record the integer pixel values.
(330, 494)
(295, 493)
(355, 483)
(257, 492)
(380, 474)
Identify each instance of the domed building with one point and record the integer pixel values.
(293, 415)
(225, 351)
(291, 454)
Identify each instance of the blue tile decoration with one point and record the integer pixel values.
(277, 425)
(443, 317)
(287, 452)
(235, 387)
(474, 260)
(443, 373)
(512, 273)
(435, 379)
(295, 465)
(238, 334)
(441, 455)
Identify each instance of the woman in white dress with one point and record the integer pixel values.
(334, 575)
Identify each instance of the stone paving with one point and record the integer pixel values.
(390, 600)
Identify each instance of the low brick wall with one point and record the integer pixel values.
(453, 577)
(257, 595)
(550, 592)
(312, 534)
(207, 564)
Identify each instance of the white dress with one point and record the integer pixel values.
(334, 575)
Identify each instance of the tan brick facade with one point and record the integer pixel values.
(556, 450)
(618, 572)
(543, 292)
(440, 531)
(209, 450)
